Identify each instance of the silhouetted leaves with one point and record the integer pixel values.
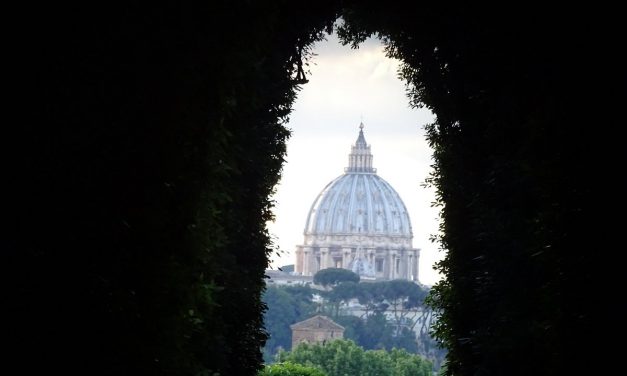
(511, 143)
(156, 134)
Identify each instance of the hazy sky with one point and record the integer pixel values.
(346, 86)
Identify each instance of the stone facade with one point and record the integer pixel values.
(318, 329)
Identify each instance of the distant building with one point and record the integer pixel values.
(279, 278)
(359, 222)
(317, 329)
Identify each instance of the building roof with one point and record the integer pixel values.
(317, 322)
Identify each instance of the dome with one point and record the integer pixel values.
(358, 222)
(359, 201)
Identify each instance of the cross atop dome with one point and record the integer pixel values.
(361, 140)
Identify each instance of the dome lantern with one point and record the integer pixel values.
(360, 157)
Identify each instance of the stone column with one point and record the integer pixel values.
(416, 263)
(306, 256)
(313, 262)
(346, 257)
(308, 261)
(395, 271)
(329, 259)
(404, 272)
(388, 268)
(324, 257)
(370, 252)
(298, 267)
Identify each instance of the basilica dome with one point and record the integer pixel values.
(358, 202)
(359, 222)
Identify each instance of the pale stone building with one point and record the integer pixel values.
(359, 222)
(317, 329)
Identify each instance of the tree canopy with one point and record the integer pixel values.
(285, 306)
(290, 369)
(156, 138)
(344, 357)
(333, 276)
(373, 330)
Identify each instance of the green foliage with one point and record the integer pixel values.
(404, 291)
(371, 297)
(344, 291)
(377, 332)
(353, 327)
(373, 330)
(375, 363)
(344, 357)
(403, 299)
(333, 276)
(341, 293)
(285, 306)
(290, 369)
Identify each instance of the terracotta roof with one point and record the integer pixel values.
(317, 322)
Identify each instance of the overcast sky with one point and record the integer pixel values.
(346, 86)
